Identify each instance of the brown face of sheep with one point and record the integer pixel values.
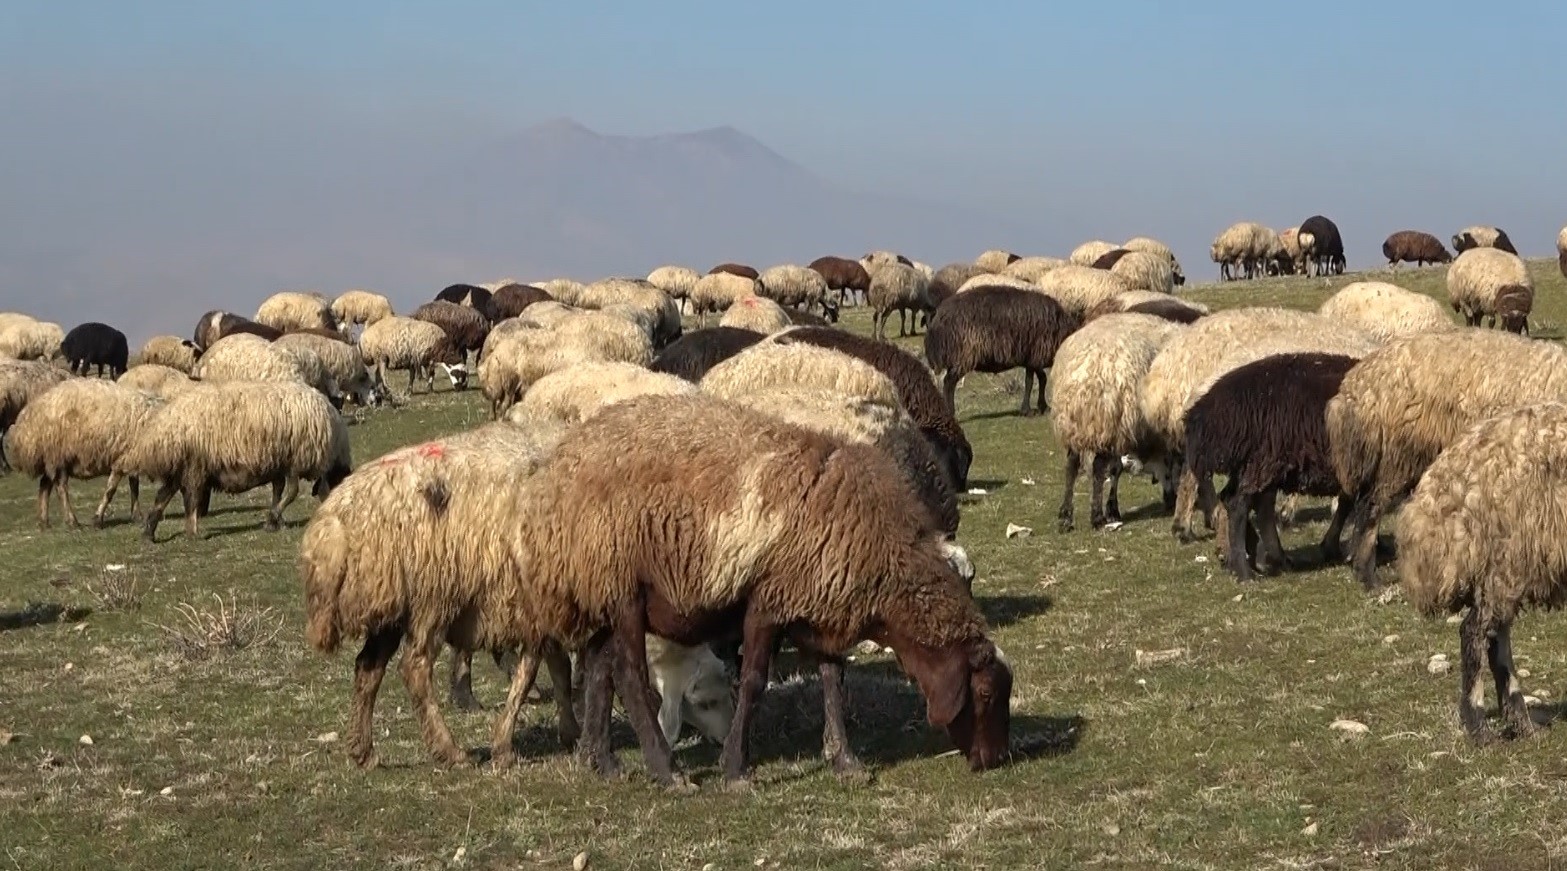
(968, 690)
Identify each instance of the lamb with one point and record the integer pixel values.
(236, 436)
(1262, 425)
(1386, 311)
(1095, 395)
(563, 290)
(739, 269)
(1413, 246)
(361, 307)
(1407, 402)
(469, 295)
(676, 281)
(699, 351)
(797, 287)
(78, 430)
(896, 288)
(1470, 238)
(755, 313)
(419, 346)
(1490, 281)
(1244, 246)
(993, 329)
(215, 325)
(917, 392)
(171, 351)
(1080, 288)
(1144, 271)
(156, 379)
(96, 344)
(31, 340)
(465, 326)
(1483, 530)
(292, 310)
(1086, 253)
(640, 302)
(525, 356)
(511, 300)
(577, 392)
(1147, 245)
(247, 358)
(1322, 245)
(845, 276)
(1031, 268)
(771, 552)
(717, 291)
(995, 260)
(21, 382)
(342, 361)
(1161, 305)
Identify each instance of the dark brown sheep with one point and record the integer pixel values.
(945, 283)
(803, 318)
(1327, 249)
(1413, 246)
(509, 301)
(917, 392)
(1109, 259)
(994, 329)
(1264, 426)
(216, 324)
(1169, 309)
(843, 275)
(469, 295)
(465, 326)
(691, 355)
(334, 335)
(739, 269)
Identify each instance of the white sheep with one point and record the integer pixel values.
(344, 362)
(419, 346)
(1089, 253)
(756, 313)
(361, 307)
(31, 340)
(896, 287)
(291, 311)
(243, 357)
(995, 260)
(1148, 245)
(796, 287)
(579, 391)
(157, 379)
(1144, 271)
(563, 290)
(1032, 269)
(1489, 281)
(1081, 288)
(171, 351)
(717, 291)
(1386, 311)
(676, 281)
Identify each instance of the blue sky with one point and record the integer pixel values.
(1173, 119)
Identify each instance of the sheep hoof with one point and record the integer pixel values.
(97, 521)
(1064, 524)
(738, 785)
(450, 757)
(365, 759)
(465, 701)
(1524, 727)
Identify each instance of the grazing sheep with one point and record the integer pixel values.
(801, 318)
(342, 361)
(171, 351)
(1413, 246)
(579, 391)
(757, 314)
(945, 282)
(1322, 245)
(768, 367)
(14, 319)
(77, 430)
(770, 557)
(525, 356)
(699, 351)
(562, 290)
(1408, 401)
(511, 300)
(545, 315)
(466, 327)
(215, 325)
(236, 436)
(717, 291)
(873, 259)
(1147, 245)
(987, 279)
(797, 287)
(640, 302)
(1490, 281)
(470, 295)
(289, 311)
(994, 329)
(1262, 426)
(916, 387)
(1483, 530)
(1287, 258)
(1386, 311)
(1144, 271)
(1081, 288)
(156, 379)
(1030, 269)
(31, 340)
(1470, 238)
(247, 358)
(1161, 305)
(96, 344)
(1095, 397)
(845, 276)
(22, 381)
(676, 281)
(360, 307)
(1088, 252)
(896, 288)
(419, 346)
(739, 269)
(995, 260)
(1243, 247)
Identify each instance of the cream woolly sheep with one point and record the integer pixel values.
(579, 391)
(343, 362)
(22, 381)
(11, 319)
(1386, 311)
(1086, 253)
(1484, 530)
(524, 356)
(1162, 305)
(874, 259)
(78, 430)
(361, 307)
(419, 346)
(156, 379)
(1144, 271)
(236, 436)
(1561, 251)
(290, 311)
(653, 309)
(1095, 401)
(1470, 238)
(1081, 288)
(546, 315)
(995, 260)
(1032, 268)
(171, 351)
(1407, 402)
(1490, 281)
(676, 281)
(1288, 260)
(242, 357)
(1245, 246)
(563, 290)
(896, 287)
(31, 340)
(1148, 245)
(767, 367)
(797, 287)
(987, 279)
(756, 313)
(717, 291)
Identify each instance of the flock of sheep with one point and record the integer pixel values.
(607, 521)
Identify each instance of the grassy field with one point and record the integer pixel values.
(226, 754)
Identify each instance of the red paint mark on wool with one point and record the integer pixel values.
(428, 450)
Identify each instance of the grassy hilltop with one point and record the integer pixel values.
(204, 755)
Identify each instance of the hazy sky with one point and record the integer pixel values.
(1113, 119)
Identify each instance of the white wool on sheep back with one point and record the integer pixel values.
(361, 307)
(563, 290)
(31, 340)
(1080, 288)
(793, 285)
(1096, 384)
(581, 390)
(755, 313)
(991, 279)
(290, 311)
(717, 291)
(676, 281)
(1481, 281)
(995, 260)
(547, 314)
(1144, 271)
(1088, 253)
(1031, 269)
(1385, 310)
(342, 361)
(769, 366)
(244, 357)
(171, 351)
(524, 356)
(1147, 245)
(399, 343)
(155, 378)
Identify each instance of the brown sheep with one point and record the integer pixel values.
(215, 324)
(739, 269)
(845, 276)
(1413, 246)
(994, 329)
(466, 326)
(510, 300)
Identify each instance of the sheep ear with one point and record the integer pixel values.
(943, 678)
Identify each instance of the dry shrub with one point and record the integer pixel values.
(116, 589)
(230, 628)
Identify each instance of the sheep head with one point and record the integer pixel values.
(458, 375)
(968, 691)
(708, 702)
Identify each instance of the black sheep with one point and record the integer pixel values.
(693, 354)
(1327, 246)
(472, 296)
(509, 301)
(96, 344)
(1413, 246)
(1264, 426)
(994, 329)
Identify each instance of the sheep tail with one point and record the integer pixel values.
(323, 563)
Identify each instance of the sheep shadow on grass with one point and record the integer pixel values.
(41, 614)
(1006, 609)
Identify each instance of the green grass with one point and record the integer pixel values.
(1222, 758)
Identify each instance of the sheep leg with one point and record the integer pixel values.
(281, 500)
(1212, 507)
(835, 734)
(461, 692)
(902, 325)
(1509, 694)
(1028, 389)
(108, 496)
(636, 694)
(1168, 490)
(876, 326)
(1363, 543)
(1471, 693)
(1074, 463)
(756, 656)
(45, 491)
(417, 668)
(1332, 549)
(1270, 553)
(949, 386)
(155, 513)
(65, 501)
(1113, 489)
(597, 685)
(1239, 504)
(502, 754)
(559, 664)
(1188, 494)
(1098, 509)
(369, 668)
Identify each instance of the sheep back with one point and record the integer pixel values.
(294, 310)
(171, 351)
(767, 366)
(577, 392)
(1096, 383)
(993, 329)
(755, 313)
(79, 428)
(1386, 311)
(360, 307)
(1414, 246)
(697, 352)
(164, 381)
